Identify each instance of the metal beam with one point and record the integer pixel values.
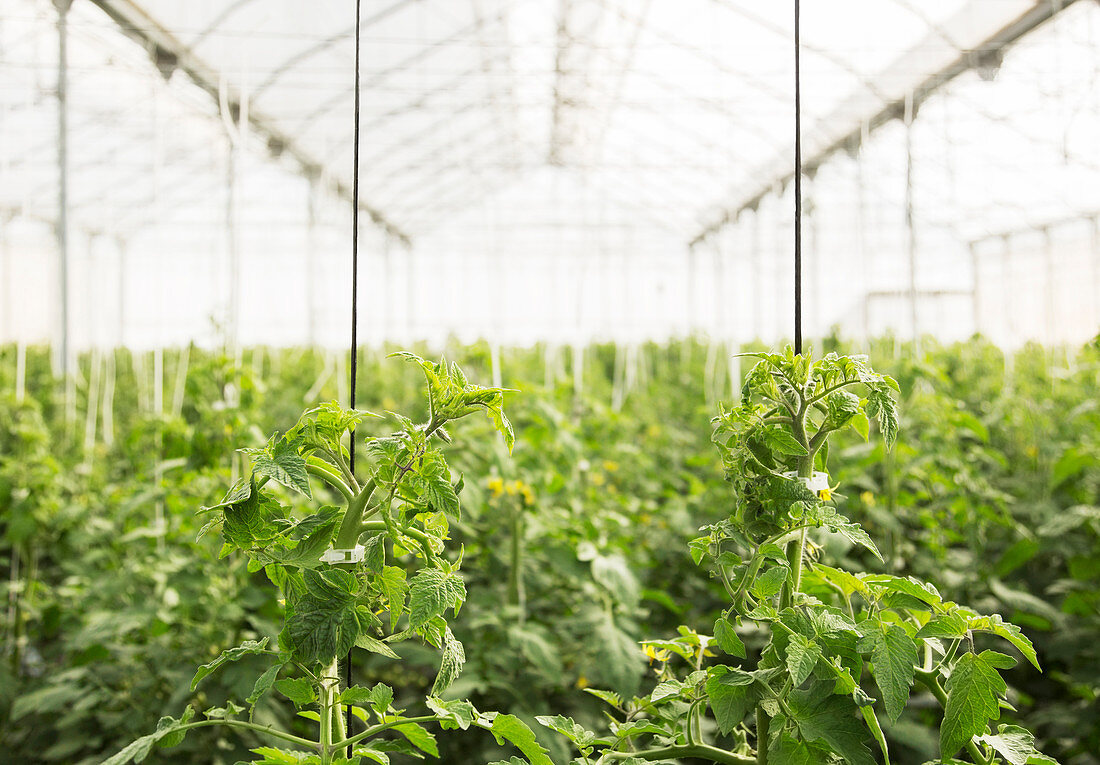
(992, 46)
(164, 46)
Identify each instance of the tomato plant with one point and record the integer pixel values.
(344, 573)
(820, 626)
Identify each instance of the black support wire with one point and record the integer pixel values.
(797, 183)
(354, 291)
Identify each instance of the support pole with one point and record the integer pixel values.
(233, 249)
(1096, 270)
(975, 287)
(861, 232)
(311, 263)
(757, 279)
(61, 359)
(910, 229)
(1048, 284)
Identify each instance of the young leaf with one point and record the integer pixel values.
(821, 716)
(262, 686)
(973, 694)
(1016, 745)
(368, 643)
(451, 665)
(377, 698)
(802, 656)
(457, 713)
(513, 730)
(431, 592)
(728, 640)
(731, 694)
(297, 689)
(419, 737)
(247, 648)
(281, 462)
(893, 658)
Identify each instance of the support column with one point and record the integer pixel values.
(311, 262)
(975, 285)
(61, 350)
(232, 243)
(910, 229)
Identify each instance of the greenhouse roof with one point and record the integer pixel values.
(676, 110)
(542, 127)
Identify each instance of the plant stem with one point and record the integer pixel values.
(374, 730)
(763, 724)
(242, 725)
(318, 467)
(350, 527)
(701, 751)
(516, 594)
(330, 682)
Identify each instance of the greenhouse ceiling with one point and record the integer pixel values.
(678, 110)
(587, 126)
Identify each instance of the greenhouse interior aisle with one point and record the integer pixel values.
(658, 509)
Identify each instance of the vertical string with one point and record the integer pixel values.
(354, 288)
(797, 182)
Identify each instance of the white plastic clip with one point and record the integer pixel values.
(817, 482)
(353, 555)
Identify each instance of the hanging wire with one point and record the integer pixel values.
(797, 183)
(354, 288)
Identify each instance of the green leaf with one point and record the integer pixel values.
(731, 694)
(379, 698)
(274, 756)
(948, 625)
(567, 727)
(665, 689)
(263, 685)
(419, 737)
(392, 582)
(170, 729)
(821, 716)
(513, 730)
(613, 572)
(770, 582)
(368, 643)
(281, 462)
(431, 593)
(996, 624)
(974, 690)
(893, 657)
(727, 638)
(247, 648)
(869, 717)
(779, 439)
(297, 689)
(802, 656)
(451, 664)
(458, 713)
(1016, 745)
(619, 663)
(167, 734)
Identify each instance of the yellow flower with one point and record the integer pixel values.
(868, 498)
(655, 654)
(528, 495)
(582, 682)
(496, 486)
(512, 488)
(825, 495)
(597, 479)
(653, 431)
(610, 466)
